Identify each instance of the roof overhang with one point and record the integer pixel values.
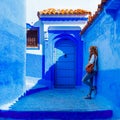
(52, 19)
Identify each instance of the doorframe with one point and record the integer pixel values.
(60, 37)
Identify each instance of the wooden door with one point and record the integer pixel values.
(65, 64)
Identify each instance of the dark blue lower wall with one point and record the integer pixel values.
(109, 85)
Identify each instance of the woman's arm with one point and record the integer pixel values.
(92, 59)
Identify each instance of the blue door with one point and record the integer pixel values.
(65, 64)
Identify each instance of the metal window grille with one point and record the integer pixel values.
(32, 38)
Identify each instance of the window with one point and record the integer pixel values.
(32, 38)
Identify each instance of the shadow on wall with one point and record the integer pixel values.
(50, 81)
(62, 73)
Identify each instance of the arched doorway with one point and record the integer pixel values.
(65, 63)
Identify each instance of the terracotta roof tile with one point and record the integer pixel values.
(52, 11)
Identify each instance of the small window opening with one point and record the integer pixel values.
(32, 38)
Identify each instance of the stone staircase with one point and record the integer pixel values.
(41, 103)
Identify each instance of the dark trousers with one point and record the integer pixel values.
(88, 80)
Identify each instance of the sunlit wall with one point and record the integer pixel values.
(12, 49)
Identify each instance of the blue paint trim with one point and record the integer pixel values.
(63, 18)
(79, 66)
(63, 28)
(33, 48)
(28, 26)
(43, 66)
(64, 115)
(62, 36)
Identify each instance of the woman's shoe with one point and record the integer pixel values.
(95, 90)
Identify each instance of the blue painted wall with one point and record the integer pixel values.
(44, 66)
(12, 50)
(35, 57)
(34, 65)
(104, 33)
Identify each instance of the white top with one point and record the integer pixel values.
(93, 60)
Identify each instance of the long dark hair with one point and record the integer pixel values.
(93, 50)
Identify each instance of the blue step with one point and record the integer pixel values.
(61, 115)
(41, 103)
(34, 90)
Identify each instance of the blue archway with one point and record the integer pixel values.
(68, 59)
